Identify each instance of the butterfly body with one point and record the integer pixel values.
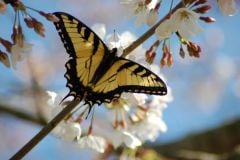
(94, 72)
(105, 64)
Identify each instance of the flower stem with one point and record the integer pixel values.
(149, 33)
(45, 131)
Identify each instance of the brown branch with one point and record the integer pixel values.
(45, 131)
(20, 114)
(149, 33)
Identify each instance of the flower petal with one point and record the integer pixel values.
(93, 142)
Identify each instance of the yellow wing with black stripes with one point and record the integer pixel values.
(95, 72)
(84, 47)
(128, 76)
(86, 51)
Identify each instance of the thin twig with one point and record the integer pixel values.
(149, 33)
(45, 131)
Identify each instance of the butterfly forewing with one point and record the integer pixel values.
(82, 44)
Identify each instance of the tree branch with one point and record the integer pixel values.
(45, 130)
(20, 114)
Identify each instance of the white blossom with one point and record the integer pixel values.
(152, 17)
(93, 142)
(66, 130)
(53, 107)
(121, 41)
(164, 30)
(137, 8)
(69, 131)
(119, 137)
(141, 10)
(149, 128)
(228, 7)
(135, 98)
(18, 53)
(185, 22)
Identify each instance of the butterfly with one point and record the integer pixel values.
(95, 73)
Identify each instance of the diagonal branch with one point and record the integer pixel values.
(45, 130)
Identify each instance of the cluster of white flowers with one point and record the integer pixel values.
(70, 129)
(183, 21)
(136, 118)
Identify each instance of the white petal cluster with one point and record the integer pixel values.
(149, 128)
(70, 131)
(121, 41)
(18, 53)
(119, 137)
(228, 7)
(93, 142)
(66, 130)
(152, 17)
(144, 12)
(183, 21)
(164, 30)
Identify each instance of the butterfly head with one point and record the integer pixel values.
(114, 51)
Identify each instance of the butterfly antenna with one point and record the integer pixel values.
(114, 37)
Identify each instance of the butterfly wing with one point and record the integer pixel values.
(84, 47)
(127, 76)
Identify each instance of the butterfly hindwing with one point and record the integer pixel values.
(128, 76)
